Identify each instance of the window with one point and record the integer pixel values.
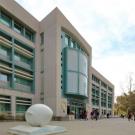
(17, 58)
(110, 89)
(95, 102)
(42, 61)
(23, 84)
(94, 78)
(82, 85)
(5, 107)
(66, 40)
(72, 44)
(109, 100)
(5, 19)
(78, 46)
(3, 77)
(103, 98)
(3, 51)
(23, 45)
(103, 84)
(72, 82)
(95, 95)
(76, 76)
(83, 64)
(29, 35)
(42, 38)
(4, 35)
(22, 104)
(72, 60)
(21, 59)
(22, 81)
(25, 60)
(18, 28)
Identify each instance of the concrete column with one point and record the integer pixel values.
(113, 102)
(100, 110)
(107, 100)
(13, 106)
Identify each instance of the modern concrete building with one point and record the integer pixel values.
(47, 62)
(102, 93)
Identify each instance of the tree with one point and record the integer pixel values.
(125, 103)
(130, 82)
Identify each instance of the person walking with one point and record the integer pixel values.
(85, 115)
(107, 115)
(96, 114)
(92, 114)
(129, 116)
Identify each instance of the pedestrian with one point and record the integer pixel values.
(129, 116)
(92, 114)
(96, 114)
(107, 115)
(85, 114)
(81, 114)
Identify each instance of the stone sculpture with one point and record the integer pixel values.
(37, 116)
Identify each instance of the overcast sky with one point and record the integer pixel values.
(107, 25)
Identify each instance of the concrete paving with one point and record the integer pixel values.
(114, 126)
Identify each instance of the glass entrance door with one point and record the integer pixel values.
(77, 110)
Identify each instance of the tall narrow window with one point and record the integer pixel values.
(42, 61)
(42, 38)
(72, 44)
(66, 40)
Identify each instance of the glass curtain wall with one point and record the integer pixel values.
(75, 67)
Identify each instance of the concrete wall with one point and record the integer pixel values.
(49, 27)
(52, 27)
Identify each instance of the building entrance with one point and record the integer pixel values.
(76, 108)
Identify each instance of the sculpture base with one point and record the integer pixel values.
(28, 130)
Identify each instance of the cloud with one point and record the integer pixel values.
(116, 68)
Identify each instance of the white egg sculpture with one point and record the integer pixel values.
(38, 115)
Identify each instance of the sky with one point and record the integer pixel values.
(107, 25)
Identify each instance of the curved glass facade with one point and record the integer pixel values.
(76, 72)
(72, 60)
(75, 68)
(83, 64)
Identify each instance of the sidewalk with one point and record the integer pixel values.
(101, 127)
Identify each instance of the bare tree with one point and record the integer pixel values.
(130, 82)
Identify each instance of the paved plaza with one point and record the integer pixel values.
(115, 126)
